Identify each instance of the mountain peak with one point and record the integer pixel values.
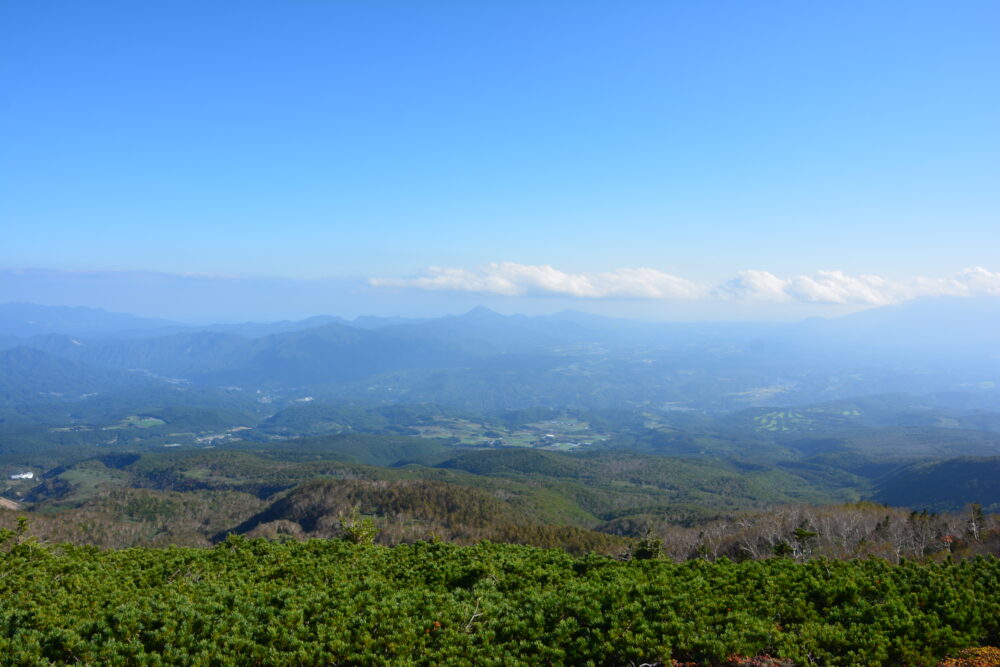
(482, 312)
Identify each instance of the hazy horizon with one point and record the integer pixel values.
(204, 299)
(667, 161)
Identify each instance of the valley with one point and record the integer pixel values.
(615, 443)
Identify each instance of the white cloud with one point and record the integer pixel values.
(834, 287)
(838, 287)
(822, 287)
(970, 282)
(512, 279)
(754, 285)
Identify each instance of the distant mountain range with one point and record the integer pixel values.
(29, 319)
(887, 404)
(484, 360)
(24, 320)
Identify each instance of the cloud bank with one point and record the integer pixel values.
(822, 287)
(511, 279)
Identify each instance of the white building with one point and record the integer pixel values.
(23, 475)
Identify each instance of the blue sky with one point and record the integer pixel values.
(644, 155)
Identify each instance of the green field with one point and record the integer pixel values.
(557, 434)
(136, 421)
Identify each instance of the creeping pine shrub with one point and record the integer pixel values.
(249, 601)
(15, 536)
(357, 529)
(649, 548)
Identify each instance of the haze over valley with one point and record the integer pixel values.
(500, 333)
(824, 410)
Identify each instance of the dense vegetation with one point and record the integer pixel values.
(334, 601)
(136, 494)
(713, 492)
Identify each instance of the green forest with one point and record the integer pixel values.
(346, 601)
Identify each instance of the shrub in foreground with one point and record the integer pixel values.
(322, 602)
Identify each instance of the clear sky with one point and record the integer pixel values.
(673, 158)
